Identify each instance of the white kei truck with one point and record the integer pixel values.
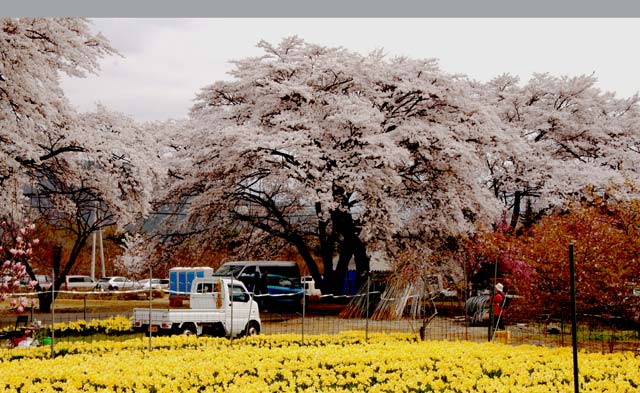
(218, 306)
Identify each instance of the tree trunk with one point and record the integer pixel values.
(327, 241)
(344, 223)
(529, 215)
(304, 252)
(516, 209)
(362, 262)
(45, 299)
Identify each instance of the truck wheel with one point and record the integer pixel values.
(189, 330)
(252, 329)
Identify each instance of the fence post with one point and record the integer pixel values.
(57, 256)
(150, 306)
(304, 309)
(465, 297)
(230, 295)
(574, 319)
(366, 329)
(53, 320)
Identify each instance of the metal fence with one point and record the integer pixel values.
(445, 320)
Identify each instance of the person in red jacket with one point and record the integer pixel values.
(498, 303)
(26, 340)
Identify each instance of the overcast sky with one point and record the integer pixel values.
(166, 61)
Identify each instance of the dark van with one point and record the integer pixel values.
(247, 271)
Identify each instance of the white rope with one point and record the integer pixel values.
(171, 292)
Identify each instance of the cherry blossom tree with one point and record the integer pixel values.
(110, 182)
(79, 173)
(132, 260)
(157, 240)
(339, 154)
(571, 134)
(34, 114)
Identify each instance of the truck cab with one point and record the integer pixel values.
(225, 294)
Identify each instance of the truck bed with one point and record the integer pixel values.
(159, 316)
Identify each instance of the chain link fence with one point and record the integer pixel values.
(428, 316)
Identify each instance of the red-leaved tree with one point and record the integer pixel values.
(535, 264)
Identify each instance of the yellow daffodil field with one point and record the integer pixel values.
(109, 326)
(346, 362)
(113, 325)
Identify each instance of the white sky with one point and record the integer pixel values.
(167, 61)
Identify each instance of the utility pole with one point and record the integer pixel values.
(93, 258)
(102, 269)
(93, 247)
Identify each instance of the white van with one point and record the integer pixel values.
(79, 282)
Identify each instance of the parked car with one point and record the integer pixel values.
(79, 282)
(43, 280)
(281, 291)
(115, 283)
(156, 283)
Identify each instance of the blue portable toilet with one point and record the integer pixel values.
(180, 280)
(349, 286)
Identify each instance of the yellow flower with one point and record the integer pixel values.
(326, 363)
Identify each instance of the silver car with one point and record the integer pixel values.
(156, 283)
(78, 282)
(115, 283)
